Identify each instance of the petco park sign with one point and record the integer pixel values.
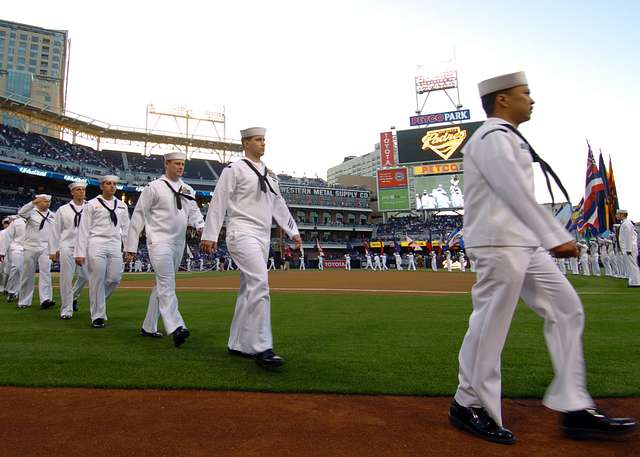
(449, 116)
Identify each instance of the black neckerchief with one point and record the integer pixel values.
(44, 217)
(112, 212)
(76, 218)
(263, 182)
(546, 168)
(178, 194)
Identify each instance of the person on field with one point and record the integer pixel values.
(249, 196)
(166, 207)
(37, 240)
(629, 247)
(101, 235)
(510, 235)
(65, 233)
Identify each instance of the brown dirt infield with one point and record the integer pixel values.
(103, 422)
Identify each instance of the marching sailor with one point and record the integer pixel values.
(164, 210)
(101, 235)
(37, 238)
(65, 232)
(249, 195)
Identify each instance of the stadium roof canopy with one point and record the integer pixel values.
(76, 124)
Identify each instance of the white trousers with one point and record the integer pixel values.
(595, 265)
(69, 291)
(251, 325)
(607, 265)
(105, 268)
(28, 276)
(573, 265)
(15, 265)
(503, 275)
(302, 266)
(347, 265)
(632, 268)
(320, 265)
(584, 264)
(412, 265)
(434, 264)
(163, 301)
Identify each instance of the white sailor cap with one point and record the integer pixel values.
(252, 131)
(175, 156)
(6, 220)
(502, 82)
(112, 178)
(47, 197)
(622, 211)
(75, 184)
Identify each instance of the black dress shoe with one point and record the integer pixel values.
(269, 359)
(240, 353)
(65, 317)
(98, 323)
(47, 304)
(593, 423)
(180, 335)
(12, 297)
(143, 332)
(75, 306)
(478, 422)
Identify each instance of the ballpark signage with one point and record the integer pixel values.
(437, 168)
(393, 189)
(436, 118)
(335, 264)
(434, 144)
(326, 191)
(387, 151)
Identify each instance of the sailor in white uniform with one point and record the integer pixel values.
(3, 276)
(398, 258)
(101, 235)
(376, 262)
(248, 194)
(65, 233)
(434, 261)
(37, 239)
(462, 261)
(320, 262)
(369, 265)
(594, 257)
(301, 258)
(347, 262)
(510, 234)
(629, 247)
(584, 259)
(272, 264)
(12, 251)
(383, 261)
(412, 261)
(166, 207)
(448, 263)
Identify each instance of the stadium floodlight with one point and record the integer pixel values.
(441, 81)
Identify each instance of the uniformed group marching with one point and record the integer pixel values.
(508, 238)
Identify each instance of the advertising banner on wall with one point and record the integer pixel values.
(439, 191)
(434, 144)
(387, 150)
(393, 189)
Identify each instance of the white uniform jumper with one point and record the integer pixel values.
(508, 233)
(65, 233)
(434, 261)
(412, 263)
(347, 262)
(398, 259)
(164, 210)
(13, 250)
(250, 203)
(629, 243)
(102, 231)
(37, 237)
(383, 261)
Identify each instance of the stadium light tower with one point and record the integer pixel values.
(441, 77)
(189, 122)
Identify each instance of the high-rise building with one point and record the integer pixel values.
(365, 165)
(32, 66)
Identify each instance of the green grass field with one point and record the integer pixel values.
(339, 343)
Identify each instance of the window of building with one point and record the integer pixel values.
(56, 50)
(22, 45)
(34, 47)
(56, 58)
(2, 33)
(21, 60)
(24, 36)
(20, 67)
(47, 98)
(54, 73)
(43, 64)
(33, 62)
(12, 42)
(46, 41)
(55, 66)
(35, 39)
(43, 72)
(44, 56)
(32, 69)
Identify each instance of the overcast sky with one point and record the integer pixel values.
(326, 78)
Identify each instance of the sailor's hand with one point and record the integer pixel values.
(80, 261)
(129, 256)
(566, 250)
(208, 246)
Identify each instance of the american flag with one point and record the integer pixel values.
(593, 187)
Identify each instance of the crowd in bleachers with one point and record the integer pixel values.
(435, 228)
